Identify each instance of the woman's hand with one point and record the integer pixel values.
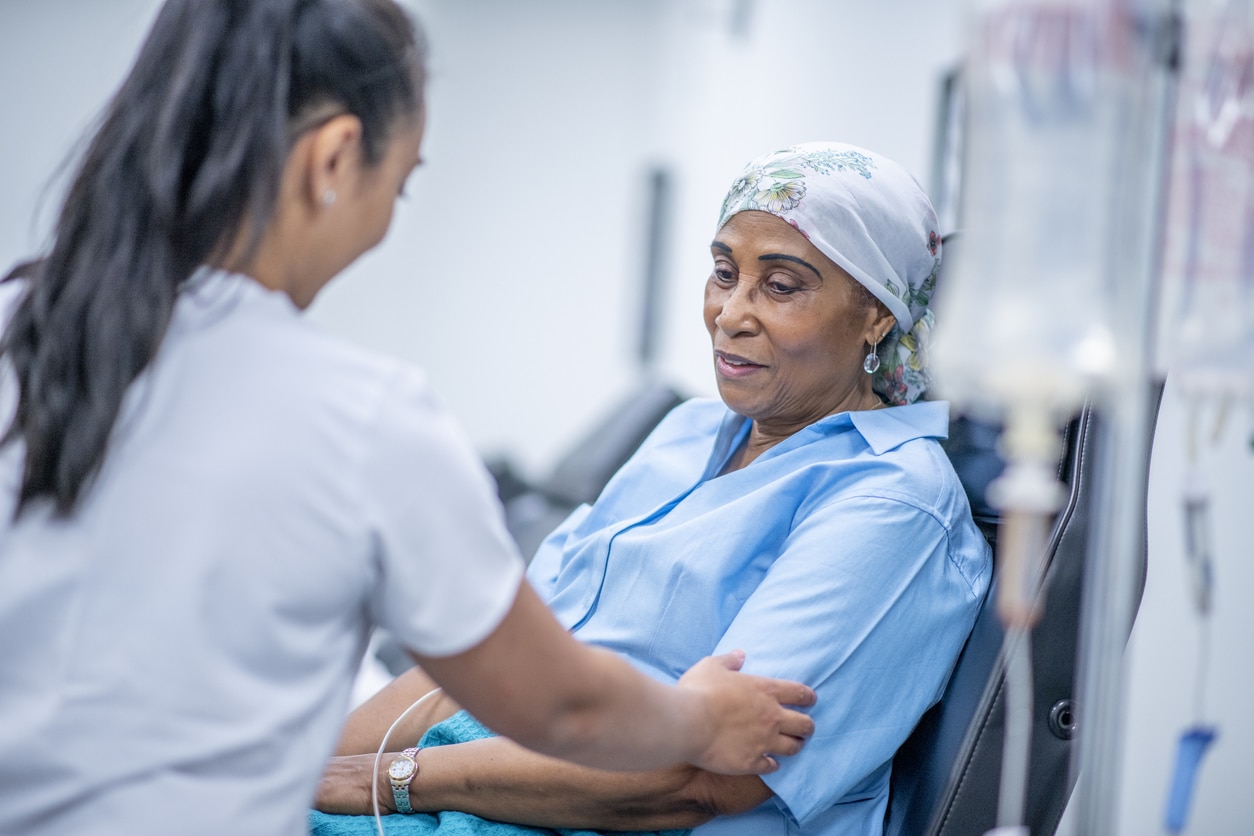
(495, 778)
(345, 786)
(745, 717)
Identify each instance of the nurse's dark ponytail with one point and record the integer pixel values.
(186, 160)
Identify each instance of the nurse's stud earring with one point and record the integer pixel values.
(328, 197)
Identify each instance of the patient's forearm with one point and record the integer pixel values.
(498, 779)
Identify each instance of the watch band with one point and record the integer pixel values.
(401, 772)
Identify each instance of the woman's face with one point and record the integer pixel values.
(381, 184)
(354, 199)
(788, 327)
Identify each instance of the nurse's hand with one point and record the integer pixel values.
(533, 681)
(745, 718)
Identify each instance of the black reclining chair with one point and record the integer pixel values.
(946, 776)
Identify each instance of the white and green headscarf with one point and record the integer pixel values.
(867, 214)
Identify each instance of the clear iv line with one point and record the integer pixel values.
(378, 756)
(1203, 666)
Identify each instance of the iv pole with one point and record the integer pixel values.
(1118, 540)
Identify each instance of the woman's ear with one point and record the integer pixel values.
(881, 321)
(334, 159)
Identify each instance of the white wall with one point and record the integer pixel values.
(803, 71)
(511, 273)
(1164, 655)
(59, 61)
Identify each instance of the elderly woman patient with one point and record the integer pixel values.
(810, 518)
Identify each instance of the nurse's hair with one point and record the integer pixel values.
(185, 163)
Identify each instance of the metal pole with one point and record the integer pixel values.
(1117, 544)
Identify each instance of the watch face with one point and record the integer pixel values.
(401, 768)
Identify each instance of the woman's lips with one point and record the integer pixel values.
(730, 365)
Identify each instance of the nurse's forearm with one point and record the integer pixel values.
(533, 682)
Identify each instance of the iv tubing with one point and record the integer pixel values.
(1017, 746)
(378, 756)
(1029, 494)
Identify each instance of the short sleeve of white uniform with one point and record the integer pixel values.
(448, 570)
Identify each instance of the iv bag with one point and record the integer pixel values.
(1209, 333)
(1026, 311)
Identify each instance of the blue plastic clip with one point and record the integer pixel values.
(1193, 745)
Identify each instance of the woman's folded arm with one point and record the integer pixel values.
(497, 779)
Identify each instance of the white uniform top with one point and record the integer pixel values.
(177, 656)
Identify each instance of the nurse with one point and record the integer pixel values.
(207, 502)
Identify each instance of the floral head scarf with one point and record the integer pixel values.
(867, 214)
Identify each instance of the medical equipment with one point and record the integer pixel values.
(1027, 329)
(1195, 739)
(1210, 348)
(378, 756)
(1211, 343)
(1045, 311)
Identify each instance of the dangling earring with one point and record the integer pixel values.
(328, 197)
(872, 361)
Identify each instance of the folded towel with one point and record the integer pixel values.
(460, 728)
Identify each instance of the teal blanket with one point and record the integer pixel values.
(459, 728)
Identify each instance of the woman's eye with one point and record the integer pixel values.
(724, 274)
(781, 288)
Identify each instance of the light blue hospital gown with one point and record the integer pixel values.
(844, 557)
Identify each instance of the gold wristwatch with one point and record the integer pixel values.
(401, 772)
